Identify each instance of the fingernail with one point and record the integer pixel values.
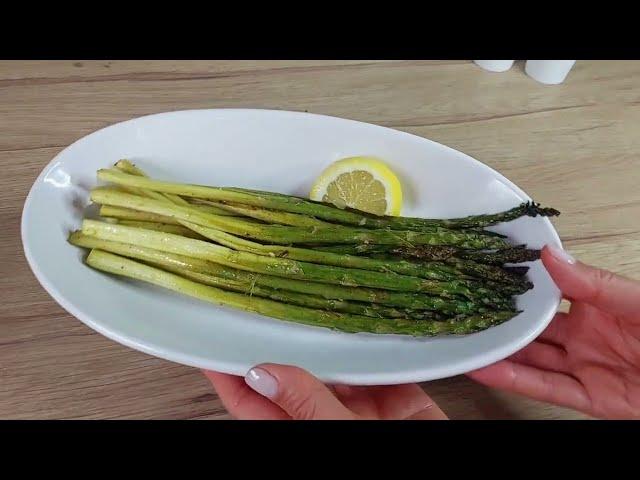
(561, 255)
(262, 382)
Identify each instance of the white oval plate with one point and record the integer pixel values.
(280, 151)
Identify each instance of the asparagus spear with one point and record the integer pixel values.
(226, 210)
(489, 272)
(285, 267)
(530, 209)
(127, 167)
(285, 234)
(453, 269)
(432, 272)
(271, 216)
(320, 210)
(250, 288)
(213, 210)
(517, 254)
(442, 255)
(440, 272)
(163, 227)
(489, 233)
(508, 280)
(130, 214)
(338, 321)
(353, 249)
(406, 301)
(304, 299)
(517, 270)
(509, 255)
(297, 220)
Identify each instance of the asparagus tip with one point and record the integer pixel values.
(533, 209)
(520, 271)
(73, 235)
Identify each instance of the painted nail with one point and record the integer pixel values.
(561, 255)
(262, 382)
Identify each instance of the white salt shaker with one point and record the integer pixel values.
(495, 65)
(551, 72)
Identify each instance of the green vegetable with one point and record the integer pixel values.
(285, 267)
(320, 210)
(333, 320)
(406, 301)
(286, 234)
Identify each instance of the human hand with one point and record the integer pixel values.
(587, 359)
(279, 392)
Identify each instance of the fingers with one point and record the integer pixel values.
(297, 392)
(357, 399)
(392, 402)
(600, 288)
(557, 332)
(278, 392)
(430, 413)
(544, 356)
(410, 402)
(241, 401)
(532, 382)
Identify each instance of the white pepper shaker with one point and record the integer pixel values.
(550, 72)
(495, 65)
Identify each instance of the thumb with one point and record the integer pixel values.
(301, 395)
(602, 289)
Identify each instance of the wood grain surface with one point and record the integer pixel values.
(574, 146)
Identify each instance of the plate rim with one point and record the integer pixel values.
(169, 354)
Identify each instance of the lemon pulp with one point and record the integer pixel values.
(363, 183)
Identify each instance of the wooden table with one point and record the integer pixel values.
(575, 146)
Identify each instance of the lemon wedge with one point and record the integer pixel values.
(363, 183)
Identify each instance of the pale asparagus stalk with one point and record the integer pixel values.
(405, 301)
(345, 322)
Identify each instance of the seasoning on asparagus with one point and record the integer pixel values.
(344, 322)
(451, 269)
(404, 300)
(223, 277)
(289, 268)
(432, 272)
(516, 254)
